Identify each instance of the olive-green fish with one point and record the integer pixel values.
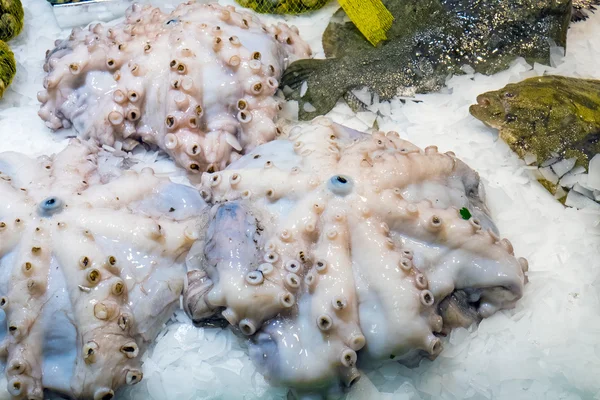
(429, 40)
(546, 116)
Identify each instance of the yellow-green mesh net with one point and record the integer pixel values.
(283, 6)
(371, 17)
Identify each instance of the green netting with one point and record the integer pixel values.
(283, 6)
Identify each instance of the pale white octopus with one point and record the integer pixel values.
(90, 270)
(333, 246)
(198, 83)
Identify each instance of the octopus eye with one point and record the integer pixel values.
(50, 206)
(245, 22)
(340, 185)
(289, 41)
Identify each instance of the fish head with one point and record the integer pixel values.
(490, 109)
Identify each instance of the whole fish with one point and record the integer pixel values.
(429, 40)
(547, 116)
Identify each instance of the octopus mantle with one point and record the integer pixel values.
(197, 83)
(334, 245)
(90, 270)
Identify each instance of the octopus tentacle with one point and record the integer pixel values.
(119, 191)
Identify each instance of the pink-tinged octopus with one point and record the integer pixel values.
(90, 270)
(333, 246)
(198, 83)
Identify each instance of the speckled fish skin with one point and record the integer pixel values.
(430, 40)
(332, 246)
(90, 270)
(546, 116)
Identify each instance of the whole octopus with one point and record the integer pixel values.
(328, 248)
(90, 269)
(198, 83)
(332, 245)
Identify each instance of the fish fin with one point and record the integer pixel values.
(299, 72)
(355, 104)
(582, 9)
(319, 98)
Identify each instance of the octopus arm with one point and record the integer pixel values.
(273, 182)
(67, 167)
(23, 306)
(126, 189)
(146, 234)
(396, 306)
(225, 275)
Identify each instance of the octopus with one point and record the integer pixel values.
(331, 247)
(90, 270)
(198, 83)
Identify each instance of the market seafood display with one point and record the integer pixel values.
(430, 40)
(197, 83)
(90, 269)
(332, 245)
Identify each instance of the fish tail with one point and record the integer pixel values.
(315, 98)
(299, 72)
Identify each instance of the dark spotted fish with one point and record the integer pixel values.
(430, 40)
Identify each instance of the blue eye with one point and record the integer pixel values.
(340, 185)
(50, 206)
